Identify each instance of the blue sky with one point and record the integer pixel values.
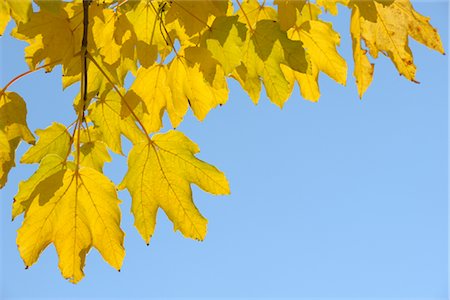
(341, 198)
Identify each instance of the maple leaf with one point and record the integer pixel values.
(20, 11)
(224, 40)
(320, 42)
(193, 16)
(265, 49)
(150, 36)
(97, 84)
(196, 79)
(6, 158)
(385, 27)
(288, 11)
(251, 11)
(363, 68)
(104, 22)
(24, 196)
(53, 140)
(93, 151)
(160, 173)
(50, 36)
(151, 90)
(13, 129)
(75, 209)
(112, 120)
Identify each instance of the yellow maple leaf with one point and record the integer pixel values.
(151, 90)
(265, 49)
(109, 117)
(252, 11)
(104, 22)
(94, 155)
(55, 139)
(93, 150)
(13, 129)
(288, 11)
(320, 41)
(51, 37)
(6, 158)
(24, 196)
(13, 113)
(160, 173)
(194, 16)
(4, 144)
(224, 40)
(385, 27)
(151, 35)
(4, 15)
(195, 78)
(19, 10)
(75, 209)
(97, 83)
(363, 71)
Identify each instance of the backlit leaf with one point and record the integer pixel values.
(159, 176)
(385, 27)
(13, 129)
(75, 210)
(55, 139)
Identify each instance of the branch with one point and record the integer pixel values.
(84, 79)
(25, 74)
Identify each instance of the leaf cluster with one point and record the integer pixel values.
(179, 54)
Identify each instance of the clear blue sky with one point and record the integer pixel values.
(341, 198)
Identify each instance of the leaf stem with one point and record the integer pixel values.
(25, 74)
